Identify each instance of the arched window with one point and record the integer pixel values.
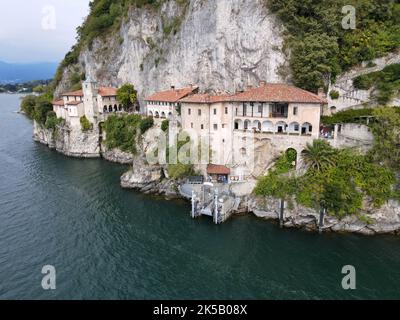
(247, 125)
(256, 125)
(105, 109)
(110, 109)
(163, 115)
(115, 108)
(306, 128)
(157, 114)
(238, 124)
(281, 127)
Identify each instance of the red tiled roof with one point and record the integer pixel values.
(277, 92)
(108, 91)
(172, 95)
(58, 103)
(206, 98)
(73, 103)
(78, 93)
(272, 92)
(216, 169)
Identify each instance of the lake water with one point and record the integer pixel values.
(109, 243)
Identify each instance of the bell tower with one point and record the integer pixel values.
(90, 92)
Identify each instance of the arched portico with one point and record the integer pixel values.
(267, 126)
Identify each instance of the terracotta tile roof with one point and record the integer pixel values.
(277, 92)
(73, 103)
(216, 169)
(58, 103)
(108, 91)
(266, 93)
(172, 95)
(206, 98)
(78, 93)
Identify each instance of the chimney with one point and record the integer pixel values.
(321, 93)
(263, 83)
(249, 87)
(172, 87)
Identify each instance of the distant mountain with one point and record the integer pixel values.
(16, 73)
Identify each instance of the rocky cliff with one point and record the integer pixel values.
(73, 143)
(218, 45)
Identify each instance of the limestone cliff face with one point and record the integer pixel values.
(73, 143)
(219, 45)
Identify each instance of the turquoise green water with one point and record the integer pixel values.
(110, 243)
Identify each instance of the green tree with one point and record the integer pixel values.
(28, 105)
(314, 61)
(386, 130)
(127, 95)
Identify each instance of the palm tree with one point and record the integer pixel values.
(319, 155)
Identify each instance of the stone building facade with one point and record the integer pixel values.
(92, 101)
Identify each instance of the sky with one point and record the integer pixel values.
(39, 30)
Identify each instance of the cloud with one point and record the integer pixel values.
(39, 30)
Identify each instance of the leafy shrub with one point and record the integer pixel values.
(146, 124)
(165, 125)
(85, 124)
(121, 132)
(179, 171)
(334, 95)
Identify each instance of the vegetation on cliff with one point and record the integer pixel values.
(385, 82)
(322, 48)
(86, 125)
(40, 109)
(341, 180)
(122, 131)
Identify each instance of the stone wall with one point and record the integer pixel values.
(385, 220)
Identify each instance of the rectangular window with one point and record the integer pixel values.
(202, 127)
(260, 108)
(215, 127)
(295, 111)
(226, 110)
(199, 111)
(189, 112)
(296, 128)
(223, 126)
(191, 125)
(215, 112)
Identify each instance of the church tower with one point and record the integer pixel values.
(90, 92)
